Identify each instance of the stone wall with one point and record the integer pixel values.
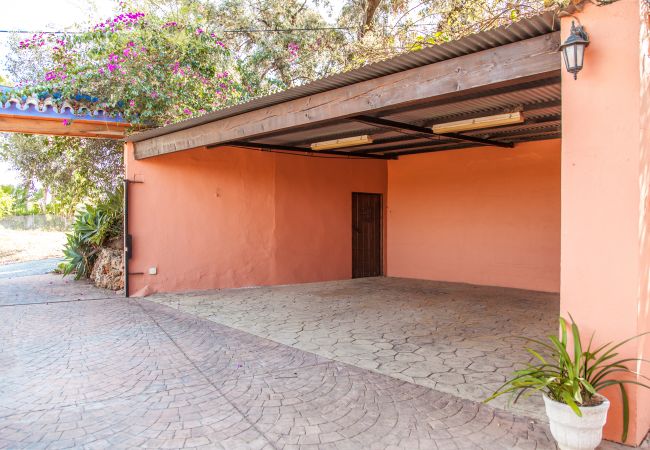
(108, 271)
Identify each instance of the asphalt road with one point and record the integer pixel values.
(28, 268)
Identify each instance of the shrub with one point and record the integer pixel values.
(574, 375)
(94, 226)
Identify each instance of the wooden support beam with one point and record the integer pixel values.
(494, 92)
(287, 148)
(55, 127)
(519, 62)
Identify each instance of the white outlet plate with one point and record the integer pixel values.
(153, 270)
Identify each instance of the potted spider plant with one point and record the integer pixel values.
(570, 380)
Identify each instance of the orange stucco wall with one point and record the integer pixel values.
(485, 216)
(231, 217)
(605, 160)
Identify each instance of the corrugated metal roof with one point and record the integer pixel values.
(518, 31)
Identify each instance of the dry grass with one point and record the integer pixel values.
(19, 246)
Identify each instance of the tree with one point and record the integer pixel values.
(389, 27)
(280, 43)
(70, 170)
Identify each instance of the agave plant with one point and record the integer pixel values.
(574, 376)
(79, 257)
(93, 226)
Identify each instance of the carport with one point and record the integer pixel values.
(318, 208)
(255, 195)
(269, 193)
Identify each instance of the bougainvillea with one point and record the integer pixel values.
(150, 70)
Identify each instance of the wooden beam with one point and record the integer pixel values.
(55, 127)
(555, 79)
(518, 62)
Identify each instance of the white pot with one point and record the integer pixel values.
(573, 432)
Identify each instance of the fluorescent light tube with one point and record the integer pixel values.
(498, 120)
(340, 143)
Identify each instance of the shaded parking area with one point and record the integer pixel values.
(80, 367)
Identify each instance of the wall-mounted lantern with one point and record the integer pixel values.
(573, 49)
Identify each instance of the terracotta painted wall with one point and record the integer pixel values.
(486, 216)
(230, 218)
(605, 176)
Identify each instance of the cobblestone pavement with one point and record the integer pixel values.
(22, 290)
(100, 372)
(452, 337)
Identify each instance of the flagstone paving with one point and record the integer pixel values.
(96, 371)
(452, 337)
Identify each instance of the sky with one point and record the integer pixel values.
(55, 15)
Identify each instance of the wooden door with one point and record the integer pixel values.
(366, 235)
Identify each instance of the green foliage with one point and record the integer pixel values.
(69, 171)
(79, 257)
(571, 373)
(17, 201)
(94, 226)
(7, 201)
(153, 69)
(268, 62)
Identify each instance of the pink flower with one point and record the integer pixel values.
(132, 103)
(66, 122)
(187, 111)
(199, 31)
(293, 49)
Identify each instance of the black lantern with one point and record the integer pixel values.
(573, 49)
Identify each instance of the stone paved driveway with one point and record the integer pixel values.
(88, 369)
(452, 337)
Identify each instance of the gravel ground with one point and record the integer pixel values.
(21, 246)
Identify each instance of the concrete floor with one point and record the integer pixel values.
(455, 338)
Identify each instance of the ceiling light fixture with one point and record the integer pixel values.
(498, 120)
(341, 143)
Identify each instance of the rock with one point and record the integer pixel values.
(108, 271)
